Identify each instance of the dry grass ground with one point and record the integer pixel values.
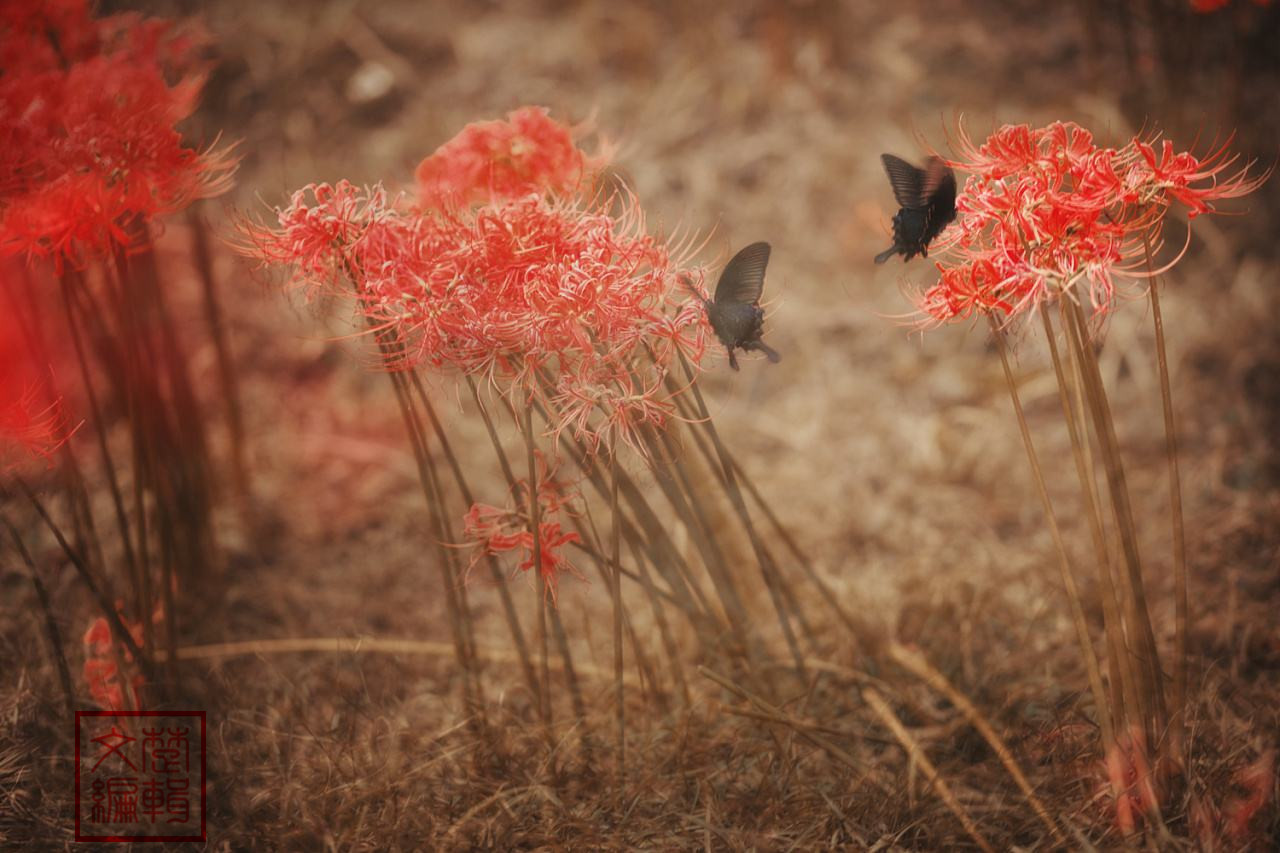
(893, 458)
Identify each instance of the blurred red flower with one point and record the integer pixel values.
(33, 422)
(498, 160)
(1206, 6)
(1258, 780)
(1128, 770)
(101, 672)
(88, 145)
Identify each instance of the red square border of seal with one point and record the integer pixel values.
(193, 716)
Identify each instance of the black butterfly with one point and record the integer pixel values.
(928, 200)
(735, 313)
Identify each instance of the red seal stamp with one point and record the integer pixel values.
(140, 776)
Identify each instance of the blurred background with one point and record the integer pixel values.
(892, 454)
(766, 121)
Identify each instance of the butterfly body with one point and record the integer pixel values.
(735, 313)
(927, 200)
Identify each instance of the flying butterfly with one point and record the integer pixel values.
(735, 312)
(927, 198)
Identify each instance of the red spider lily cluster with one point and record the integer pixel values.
(562, 298)
(499, 160)
(1046, 212)
(88, 148)
(112, 689)
(508, 268)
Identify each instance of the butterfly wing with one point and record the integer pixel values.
(939, 185)
(940, 196)
(743, 278)
(907, 180)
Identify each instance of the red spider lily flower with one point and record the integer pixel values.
(324, 229)
(87, 116)
(544, 294)
(101, 673)
(554, 494)
(542, 298)
(29, 427)
(1047, 213)
(501, 160)
(1193, 181)
(532, 295)
(602, 402)
(536, 280)
(106, 687)
(499, 530)
(33, 422)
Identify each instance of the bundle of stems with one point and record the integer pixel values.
(1141, 713)
(697, 478)
(97, 164)
(139, 417)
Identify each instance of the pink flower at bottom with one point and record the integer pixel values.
(107, 685)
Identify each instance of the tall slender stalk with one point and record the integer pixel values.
(56, 650)
(1064, 562)
(495, 572)
(434, 509)
(769, 571)
(620, 696)
(168, 548)
(575, 688)
(142, 409)
(535, 522)
(227, 381)
(859, 632)
(1177, 721)
(104, 450)
(444, 533)
(675, 486)
(675, 661)
(649, 534)
(389, 346)
(100, 593)
(667, 558)
(1143, 638)
(1118, 661)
